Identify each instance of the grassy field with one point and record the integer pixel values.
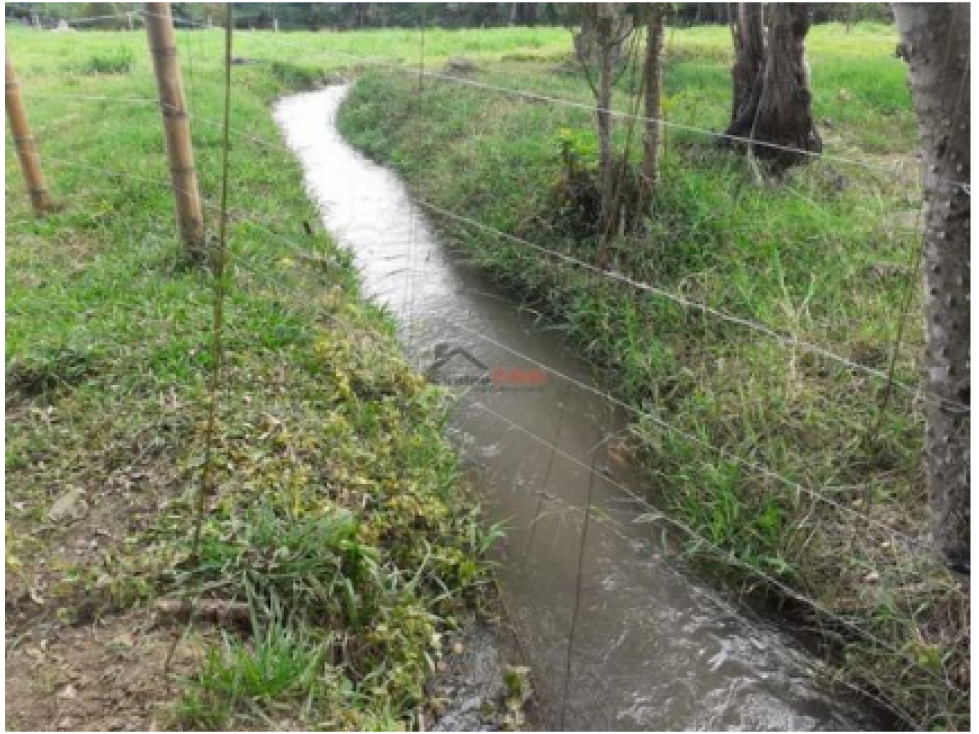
(825, 255)
(339, 544)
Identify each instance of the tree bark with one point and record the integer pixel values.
(936, 37)
(600, 21)
(653, 76)
(605, 37)
(778, 108)
(748, 35)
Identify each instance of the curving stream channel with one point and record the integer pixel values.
(653, 648)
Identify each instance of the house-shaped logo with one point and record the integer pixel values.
(457, 366)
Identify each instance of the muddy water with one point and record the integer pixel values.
(653, 649)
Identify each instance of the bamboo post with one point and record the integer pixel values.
(30, 164)
(176, 127)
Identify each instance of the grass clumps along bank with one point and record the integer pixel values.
(338, 524)
(825, 255)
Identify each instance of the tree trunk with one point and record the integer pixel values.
(607, 26)
(526, 13)
(749, 47)
(653, 75)
(778, 107)
(605, 40)
(600, 28)
(584, 39)
(937, 40)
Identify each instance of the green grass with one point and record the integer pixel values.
(824, 255)
(282, 668)
(339, 516)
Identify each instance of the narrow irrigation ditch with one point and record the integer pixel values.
(652, 648)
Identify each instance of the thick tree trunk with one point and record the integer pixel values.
(748, 35)
(653, 75)
(778, 108)
(937, 40)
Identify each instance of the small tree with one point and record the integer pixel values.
(936, 39)
(771, 98)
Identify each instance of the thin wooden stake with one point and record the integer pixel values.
(217, 343)
(220, 260)
(30, 164)
(176, 127)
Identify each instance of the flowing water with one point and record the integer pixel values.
(653, 648)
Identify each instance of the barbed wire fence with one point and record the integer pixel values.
(910, 544)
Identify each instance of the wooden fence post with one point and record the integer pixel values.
(176, 127)
(30, 164)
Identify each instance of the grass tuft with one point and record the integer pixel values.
(115, 61)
